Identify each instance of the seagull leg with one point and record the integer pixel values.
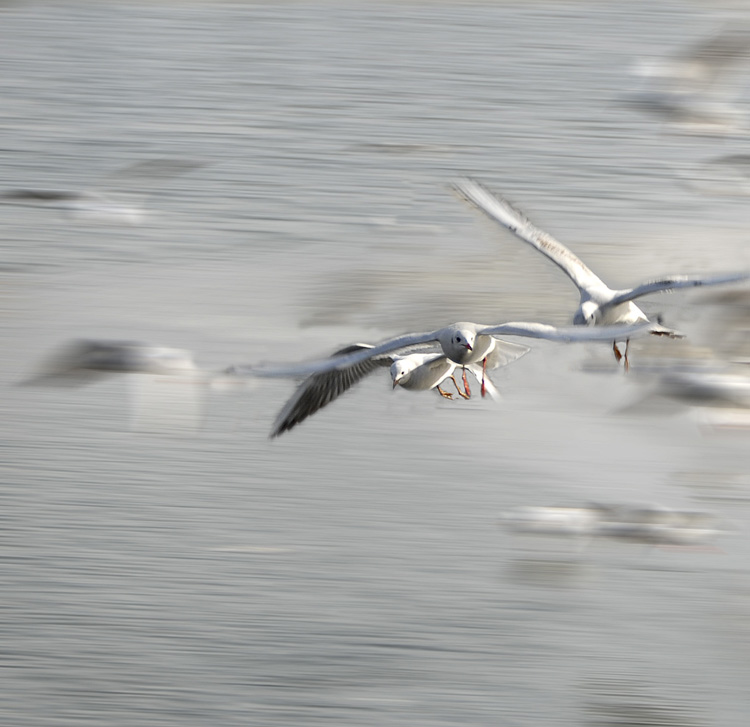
(622, 356)
(466, 384)
(458, 389)
(445, 394)
(484, 370)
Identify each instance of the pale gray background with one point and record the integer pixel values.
(353, 572)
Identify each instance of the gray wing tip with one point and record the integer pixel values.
(319, 390)
(462, 187)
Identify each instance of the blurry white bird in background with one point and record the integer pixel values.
(697, 88)
(118, 199)
(724, 176)
(713, 393)
(643, 524)
(167, 390)
(84, 361)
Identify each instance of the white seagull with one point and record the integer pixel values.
(166, 389)
(695, 87)
(599, 304)
(118, 199)
(652, 525)
(411, 371)
(85, 361)
(426, 371)
(463, 344)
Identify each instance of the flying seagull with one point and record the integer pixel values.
(166, 388)
(85, 361)
(697, 87)
(464, 344)
(411, 371)
(599, 304)
(119, 198)
(651, 524)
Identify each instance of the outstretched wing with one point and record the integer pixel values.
(567, 334)
(673, 283)
(318, 390)
(501, 211)
(337, 361)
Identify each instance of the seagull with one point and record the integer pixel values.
(426, 371)
(411, 371)
(693, 88)
(85, 361)
(152, 405)
(464, 344)
(651, 525)
(727, 176)
(116, 200)
(655, 525)
(710, 385)
(599, 304)
(579, 522)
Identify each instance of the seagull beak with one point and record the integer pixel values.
(468, 347)
(395, 383)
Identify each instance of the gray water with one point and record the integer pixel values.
(353, 571)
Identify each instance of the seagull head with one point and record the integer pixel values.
(589, 314)
(458, 341)
(401, 370)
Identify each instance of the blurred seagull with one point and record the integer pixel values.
(152, 405)
(727, 176)
(85, 361)
(579, 522)
(710, 386)
(599, 304)
(120, 196)
(649, 525)
(692, 87)
(656, 525)
(464, 344)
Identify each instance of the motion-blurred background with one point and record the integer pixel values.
(165, 566)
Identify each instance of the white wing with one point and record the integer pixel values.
(430, 371)
(501, 211)
(568, 334)
(504, 353)
(673, 283)
(337, 361)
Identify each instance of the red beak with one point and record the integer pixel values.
(468, 347)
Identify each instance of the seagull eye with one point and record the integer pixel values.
(458, 339)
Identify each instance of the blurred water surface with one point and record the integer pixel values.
(353, 572)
